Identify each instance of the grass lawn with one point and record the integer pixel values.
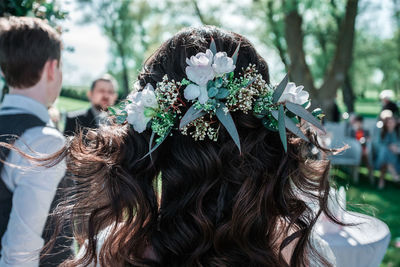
(66, 104)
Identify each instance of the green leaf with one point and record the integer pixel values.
(227, 121)
(291, 125)
(212, 92)
(190, 115)
(121, 119)
(218, 82)
(213, 46)
(316, 112)
(282, 127)
(305, 105)
(222, 93)
(151, 150)
(279, 89)
(235, 54)
(112, 111)
(149, 112)
(185, 82)
(210, 84)
(303, 113)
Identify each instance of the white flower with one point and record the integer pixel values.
(222, 63)
(193, 91)
(199, 69)
(148, 98)
(136, 110)
(135, 97)
(136, 117)
(294, 94)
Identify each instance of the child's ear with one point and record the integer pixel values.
(51, 67)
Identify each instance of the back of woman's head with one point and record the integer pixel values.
(196, 202)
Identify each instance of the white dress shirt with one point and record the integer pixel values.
(33, 187)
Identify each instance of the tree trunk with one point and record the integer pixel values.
(335, 76)
(342, 60)
(299, 71)
(348, 94)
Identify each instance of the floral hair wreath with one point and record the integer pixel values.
(214, 93)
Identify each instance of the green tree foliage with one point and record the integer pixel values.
(130, 28)
(43, 9)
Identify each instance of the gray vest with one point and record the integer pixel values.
(11, 127)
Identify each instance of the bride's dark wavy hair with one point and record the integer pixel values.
(195, 203)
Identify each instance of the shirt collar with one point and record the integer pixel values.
(27, 104)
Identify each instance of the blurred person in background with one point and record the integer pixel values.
(386, 97)
(388, 148)
(102, 94)
(358, 132)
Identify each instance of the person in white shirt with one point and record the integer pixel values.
(30, 62)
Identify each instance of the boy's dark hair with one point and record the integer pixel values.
(25, 46)
(359, 118)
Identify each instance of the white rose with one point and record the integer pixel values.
(294, 94)
(136, 117)
(199, 69)
(201, 59)
(135, 97)
(222, 63)
(148, 98)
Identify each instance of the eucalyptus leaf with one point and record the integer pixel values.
(291, 125)
(121, 119)
(151, 150)
(227, 121)
(282, 127)
(303, 113)
(210, 84)
(190, 115)
(235, 54)
(279, 89)
(218, 82)
(112, 111)
(212, 92)
(213, 46)
(222, 93)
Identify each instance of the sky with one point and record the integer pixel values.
(91, 49)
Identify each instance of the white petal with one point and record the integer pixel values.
(210, 56)
(149, 87)
(203, 95)
(191, 92)
(299, 89)
(290, 88)
(302, 97)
